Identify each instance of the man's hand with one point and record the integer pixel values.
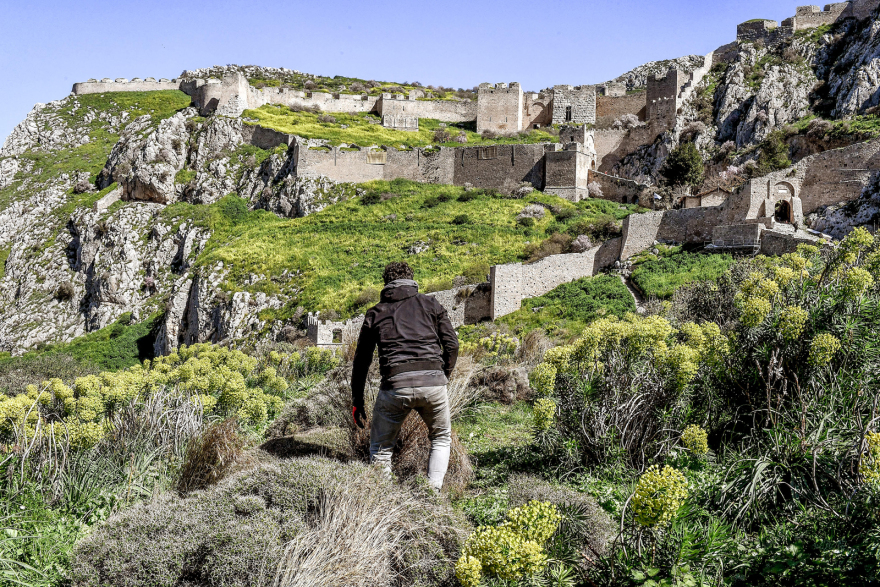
(359, 416)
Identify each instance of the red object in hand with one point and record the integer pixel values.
(359, 417)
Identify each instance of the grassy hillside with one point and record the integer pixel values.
(565, 311)
(90, 113)
(660, 275)
(365, 129)
(332, 257)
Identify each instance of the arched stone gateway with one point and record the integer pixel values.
(783, 212)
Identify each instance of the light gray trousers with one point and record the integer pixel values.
(392, 408)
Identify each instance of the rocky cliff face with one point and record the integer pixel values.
(74, 265)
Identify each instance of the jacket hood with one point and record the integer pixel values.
(399, 289)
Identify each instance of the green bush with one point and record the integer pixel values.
(683, 166)
(371, 198)
(661, 277)
(566, 310)
(461, 219)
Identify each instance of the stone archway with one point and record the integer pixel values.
(782, 212)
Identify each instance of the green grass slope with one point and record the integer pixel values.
(326, 260)
(364, 129)
(659, 276)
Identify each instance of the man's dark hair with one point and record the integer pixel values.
(397, 270)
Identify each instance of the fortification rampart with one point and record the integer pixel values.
(611, 108)
(444, 110)
(805, 17)
(123, 85)
(537, 110)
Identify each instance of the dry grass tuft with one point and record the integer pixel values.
(211, 456)
(353, 541)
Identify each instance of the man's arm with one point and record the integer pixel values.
(363, 357)
(448, 340)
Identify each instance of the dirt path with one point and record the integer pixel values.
(636, 295)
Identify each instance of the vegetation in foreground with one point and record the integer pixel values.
(729, 439)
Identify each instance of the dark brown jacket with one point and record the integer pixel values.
(413, 333)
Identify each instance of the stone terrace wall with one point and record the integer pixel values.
(124, 85)
(610, 108)
(514, 282)
(838, 175)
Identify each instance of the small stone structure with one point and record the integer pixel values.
(707, 199)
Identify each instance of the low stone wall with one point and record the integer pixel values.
(810, 17)
(737, 235)
(513, 282)
(775, 244)
(690, 225)
(121, 85)
(469, 304)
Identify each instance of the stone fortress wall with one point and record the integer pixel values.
(94, 86)
(805, 17)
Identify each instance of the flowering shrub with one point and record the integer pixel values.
(870, 467)
(469, 571)
(823, 349)
(856, 282)
(543, 413)
(498, 345)
(659, 494)
(754, 310)
(695, 440)
(221, 381)
(543, 379)
(792, 321)
(513, 550)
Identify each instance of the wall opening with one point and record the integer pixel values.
(568, 114)
(783, 212)
(337, 336)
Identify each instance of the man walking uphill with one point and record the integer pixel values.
(417, 352)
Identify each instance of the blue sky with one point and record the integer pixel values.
(47, 46)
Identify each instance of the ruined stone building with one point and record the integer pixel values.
(805, 17)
